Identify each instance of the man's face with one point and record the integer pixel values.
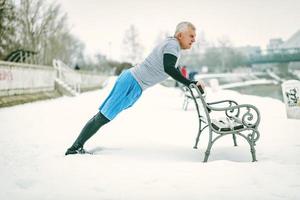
(186, 38)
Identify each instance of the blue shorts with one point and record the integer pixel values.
(124, 94)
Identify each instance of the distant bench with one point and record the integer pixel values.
(242, 120)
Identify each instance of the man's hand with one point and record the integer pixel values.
(201, 85)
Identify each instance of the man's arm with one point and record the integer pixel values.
(169, 67)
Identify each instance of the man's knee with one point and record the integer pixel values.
(100, 118)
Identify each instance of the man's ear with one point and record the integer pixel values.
(179, 35)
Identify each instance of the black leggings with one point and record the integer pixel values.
(91, 127)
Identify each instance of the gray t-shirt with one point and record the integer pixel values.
(151, 71)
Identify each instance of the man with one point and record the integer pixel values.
(158, 66)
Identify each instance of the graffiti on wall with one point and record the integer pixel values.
(292, 96)
(6, 75)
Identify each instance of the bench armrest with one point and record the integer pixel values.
(223, 101)
(230, 103)
(246, 114)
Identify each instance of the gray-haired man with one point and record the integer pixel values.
(158, 66)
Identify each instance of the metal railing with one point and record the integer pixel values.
(67, 75)
(276, 56)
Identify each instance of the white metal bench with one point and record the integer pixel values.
(242, 120)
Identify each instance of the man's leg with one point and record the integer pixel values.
(91, 127)
(124, 94)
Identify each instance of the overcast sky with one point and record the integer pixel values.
(101, 24)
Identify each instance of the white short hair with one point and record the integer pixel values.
(182, 26)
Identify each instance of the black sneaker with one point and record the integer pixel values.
(75, 150)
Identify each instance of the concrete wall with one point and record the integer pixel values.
(90, 80)
(20, 83)
(18, 78)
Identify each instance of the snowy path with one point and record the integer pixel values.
(145, 153)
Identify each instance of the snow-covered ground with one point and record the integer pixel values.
(145, 153)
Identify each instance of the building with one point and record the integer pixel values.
(292, 42)
(274, 44)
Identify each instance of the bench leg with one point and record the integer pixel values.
(207, 152)
(185, 104)
(253, 154)
(234, 139)
(198, 136)
(252, 144)
(197, 140)
(206, 156)
(196, 143)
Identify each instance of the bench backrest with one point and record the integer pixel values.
(200, 103)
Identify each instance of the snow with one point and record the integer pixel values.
(145, 153)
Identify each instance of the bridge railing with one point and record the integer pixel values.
(276, 56)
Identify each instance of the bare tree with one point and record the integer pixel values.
(43, 28)
(162, 35)
(224, 57)
(7, 27)
(37, 23)
(225, 46)
(132, 47)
